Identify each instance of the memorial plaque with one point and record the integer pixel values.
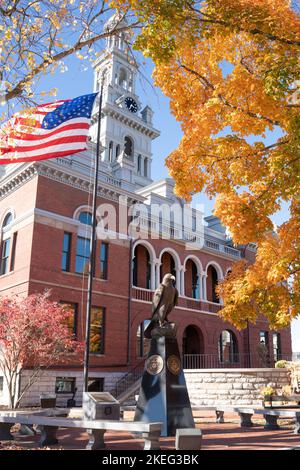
(100, 405)
(174, 364)
(154, 364)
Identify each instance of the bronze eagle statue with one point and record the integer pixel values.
(165, 298)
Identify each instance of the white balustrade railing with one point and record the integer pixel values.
(174, 232)
(145, 295)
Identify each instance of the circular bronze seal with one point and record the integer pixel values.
(174, 364)
(154, 364)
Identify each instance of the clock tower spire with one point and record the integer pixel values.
(127, 130)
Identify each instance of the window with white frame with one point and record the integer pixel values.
(8, 246)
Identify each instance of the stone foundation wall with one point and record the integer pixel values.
(231, 386)
(46, 384)
(207, 387)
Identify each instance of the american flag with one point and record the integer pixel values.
(51, 130)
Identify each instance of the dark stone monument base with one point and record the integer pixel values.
(163, 394)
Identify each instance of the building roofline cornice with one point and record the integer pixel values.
(132, 121)
(105, 190)
(69, 177)
(17, 178)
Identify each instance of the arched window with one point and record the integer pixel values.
(134, 271)
(110, 151)
(7, 220)
(128, 146)
(192, 343)
(123, 78)
(212, 282)
(8, 246)
(121, 41)
(141, 275)
(85, 218)
(146, 167)
(167, 265)
(139, 164)
(102, 78)
(142, 344)
(118, 150)
(195, 282)
(228, 349)
(191, 280)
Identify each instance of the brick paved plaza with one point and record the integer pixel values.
(227, 436)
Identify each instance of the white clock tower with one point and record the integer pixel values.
(126, 129)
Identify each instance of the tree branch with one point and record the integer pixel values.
(255, 31)
(222, 98)
(18, 89)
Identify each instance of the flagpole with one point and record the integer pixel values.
(92, 253)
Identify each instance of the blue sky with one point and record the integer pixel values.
(78, 80)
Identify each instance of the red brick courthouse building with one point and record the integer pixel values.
(45, 229)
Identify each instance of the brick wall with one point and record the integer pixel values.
(19, 203)
(38, 267)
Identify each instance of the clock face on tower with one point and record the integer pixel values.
(131, 104)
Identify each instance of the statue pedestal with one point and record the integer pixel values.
(163, 394)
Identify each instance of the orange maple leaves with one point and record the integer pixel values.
(230, 69)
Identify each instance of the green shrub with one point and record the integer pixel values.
(281, 364)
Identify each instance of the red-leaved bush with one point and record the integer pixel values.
(34, 333)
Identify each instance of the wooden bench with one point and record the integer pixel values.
(96, 429)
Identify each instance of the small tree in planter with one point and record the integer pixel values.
(34, 333)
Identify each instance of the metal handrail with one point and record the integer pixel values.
(125, 382)
(233, 360)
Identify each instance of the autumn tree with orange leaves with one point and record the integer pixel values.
(225, 117)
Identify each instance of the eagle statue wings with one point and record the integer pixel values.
(165, 298)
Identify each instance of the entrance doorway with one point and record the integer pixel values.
(192, 341)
